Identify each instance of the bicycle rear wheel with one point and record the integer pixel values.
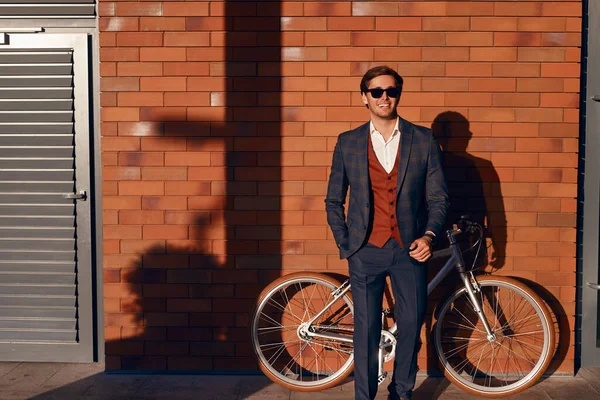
(287, 353)
(515, 359)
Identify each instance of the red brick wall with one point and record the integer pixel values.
(218, 122)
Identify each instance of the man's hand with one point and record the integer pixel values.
(420, 249)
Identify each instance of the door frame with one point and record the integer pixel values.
(590, 296)
(85, 349)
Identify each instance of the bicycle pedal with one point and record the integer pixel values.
(381, 378)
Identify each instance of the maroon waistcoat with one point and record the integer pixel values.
(385, 224)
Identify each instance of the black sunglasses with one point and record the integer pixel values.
(378, 92)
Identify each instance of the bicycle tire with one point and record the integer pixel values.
(272, 373)
(547, 347)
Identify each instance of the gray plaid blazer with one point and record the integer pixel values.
(422, 202)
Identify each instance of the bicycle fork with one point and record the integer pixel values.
(471, 286)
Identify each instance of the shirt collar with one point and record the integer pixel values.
(396, 130)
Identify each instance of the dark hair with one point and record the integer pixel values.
(378, 71)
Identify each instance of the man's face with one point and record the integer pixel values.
(385, 106)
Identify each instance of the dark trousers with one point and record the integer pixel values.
(368, 270)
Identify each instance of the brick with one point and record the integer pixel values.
(469, 39)
(517, 39)
(157, 84)
(184, 39)
(118, 24)
(516, 69)
(396, 54)
(358, 23)
(559, 130)
(186, 68)
(141, 159)
(541, 54)
(119, 114)
(518, 9)
(139, 39)
(162, 24)
(122, 232)
(236, 9)
(349, 54)
(187, 159)
(574, 25)
(280, 69)
(539, 85)
(326, 99)
(445, 24)
(547, 175)
(119, 54)
(558, 220)
(468, 69)
(367, 9)
(370, 38)
(562, 70)
(125, 99)
(445, 54)
(558, 190)
(146, 9)
(396, 24)
(322, 8)
(426, 39)
(467, 99)
(493, 24)
(514, 160)
(303, 54)
(135, 217)
(420, 69)
(491, 114)
(108, 39)
(139, 69)
(560, 100)
(492, 84)
(561, 9)
(544, 24)
(183, 99)
(160, 114)
(121, 173)
(187, 188)
(108, 69)
(303, 23)
(106, 9)
(164, 173)
(327, 69)
(561, 39)
(565, 160)
(327, 38)
(445, 84)
(121, 202)
(204, 54)
(185, 9)
(539, 115)
(516, 99)
(162, 54)
(119, 84)
(140, 129)
(165, 232)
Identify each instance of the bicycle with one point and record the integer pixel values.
(493, 335)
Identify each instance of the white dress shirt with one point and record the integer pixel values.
(386, 151)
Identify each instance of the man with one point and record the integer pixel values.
(398, 205)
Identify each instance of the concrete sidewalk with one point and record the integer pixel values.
(41, 381)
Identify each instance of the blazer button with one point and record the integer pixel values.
(367, 205)
(364, 227)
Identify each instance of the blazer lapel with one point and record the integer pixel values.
(363, 156)
(406, 137)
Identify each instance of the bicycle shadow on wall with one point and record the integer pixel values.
(474, 189)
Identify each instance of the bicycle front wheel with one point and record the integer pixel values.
(284, 344)
(519, 354)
